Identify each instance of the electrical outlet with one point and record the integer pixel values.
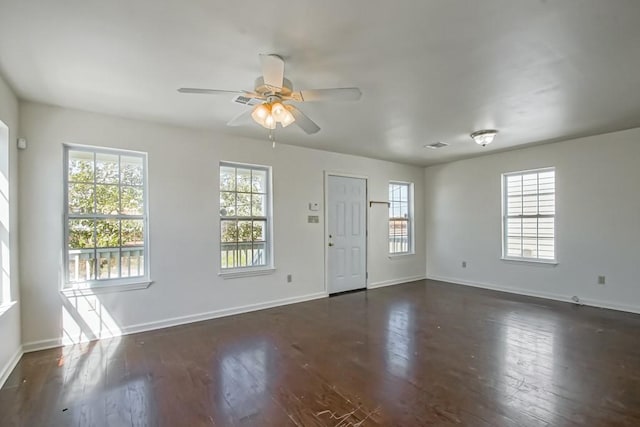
(601, 280)
(289, 278)
(464, 264)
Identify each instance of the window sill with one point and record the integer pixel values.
(401, 255)
(93, 289)
(5, 307)
(247, 273)
(551, 263)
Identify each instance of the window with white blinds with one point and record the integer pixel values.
(529, 208)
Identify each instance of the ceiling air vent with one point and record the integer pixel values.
(247, 100)
(436, 145)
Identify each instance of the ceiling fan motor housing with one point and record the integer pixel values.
(266, 90)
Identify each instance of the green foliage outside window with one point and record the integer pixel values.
(242, 198)
(111, 185)
(243, 216)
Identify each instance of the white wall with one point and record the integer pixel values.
(598, 221)
(9, 310)
(183, 201)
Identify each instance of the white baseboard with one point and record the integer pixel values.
(11, 364)
(181, 320)
(610, 305)
(42, 345)
(546, 295)
(175, 321)
(394, 282)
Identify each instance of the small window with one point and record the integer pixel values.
(529, 209)
(400, 218)
(105, 215)
(245, 216)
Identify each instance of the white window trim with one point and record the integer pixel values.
(7, 300)
(269, 267)
(246, 272)
(4, 307)
(92, 287)
(527, 260)
(410, 223)
(401, 254)
(113, 286)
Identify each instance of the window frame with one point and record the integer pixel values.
(269, 266)
(7, 300)
(410, 219)
(110, 284)
(505, 217)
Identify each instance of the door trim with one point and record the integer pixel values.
(327, 174)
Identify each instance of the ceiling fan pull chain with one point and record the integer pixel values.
(272, 138)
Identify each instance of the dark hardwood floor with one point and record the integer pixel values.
(424, 353)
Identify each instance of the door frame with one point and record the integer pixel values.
(327, 174)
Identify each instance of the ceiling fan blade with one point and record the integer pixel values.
(335, 94)
(207, 91)
(241, 119)
(307, 125)
(272, 70)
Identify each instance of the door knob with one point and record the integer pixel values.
(330, 244)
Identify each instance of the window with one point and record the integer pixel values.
(529, 215)
(5, 229)
(105, 215)
(245, 223)
(400, 218)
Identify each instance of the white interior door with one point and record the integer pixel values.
(347, 239)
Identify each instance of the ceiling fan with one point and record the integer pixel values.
(271, 95)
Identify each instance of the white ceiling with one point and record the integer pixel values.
(429, 70)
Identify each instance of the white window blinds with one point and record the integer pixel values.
(529, 215)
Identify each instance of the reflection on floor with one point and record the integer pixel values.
(424, 353)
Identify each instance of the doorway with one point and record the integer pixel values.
(346, 233)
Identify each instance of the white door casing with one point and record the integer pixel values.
(346, 233)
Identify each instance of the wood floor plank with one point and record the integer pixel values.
(423, 353)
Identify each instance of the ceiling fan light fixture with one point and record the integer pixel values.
(484, 137)
(278, 111)
(287, 118)
(260, 113)
(268, 115)
(281, 114)
(269, 122)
